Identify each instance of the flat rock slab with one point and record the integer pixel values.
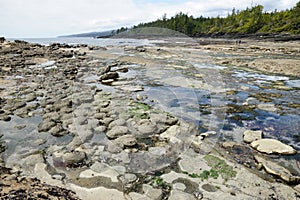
(277, 170)
(270, 146)
(250, 136)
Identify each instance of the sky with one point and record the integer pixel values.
(51, 18)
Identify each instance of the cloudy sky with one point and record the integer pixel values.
(50, 18)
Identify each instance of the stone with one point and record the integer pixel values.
(114, 147)
(153, 193)
(179, 186)
(46, 125)
(277, 170)
(250, 136)
(109, 75)
(229, 144)
(58, 131)
(267, 107)
(116, 132)
(270, 146)
(179, 195)
(69, 159)
(131, 88)
(128, 178)
(127, 140)
(97, 192)
(147, 127)
(171, 134)
(118, 122)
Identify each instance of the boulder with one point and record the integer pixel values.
(250, 136)
(270, 146)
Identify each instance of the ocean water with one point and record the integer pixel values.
(91, 41)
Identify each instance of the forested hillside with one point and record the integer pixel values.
(250, 21)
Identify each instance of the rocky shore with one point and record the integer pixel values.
(75, 126)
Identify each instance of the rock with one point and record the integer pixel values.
(297, 187)
(250, 136)
(118, 122)
(128, 178)
(131, 88)
(69, 159)
(267, 107)
(230, 144)
(127, 140)
(116, 132)
(153, 193)
(114, 147)
(179, 195)
(58, 131)
(179, 186)
(277, 170)
(270, 146)
(146, 127)
(171, 134)
(46, 125)
(109, 75)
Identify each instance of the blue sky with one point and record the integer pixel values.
(50, 18)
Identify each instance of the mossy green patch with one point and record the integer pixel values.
(219, 167)
(139, 110)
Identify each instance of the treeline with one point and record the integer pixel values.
(250, 21)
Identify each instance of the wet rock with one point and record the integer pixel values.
(46, 125)
(250, 136)
(107, 121)
(146, 127)
(114, 147)
(69, 158)
(126, 140)
(100, 115)
(100, 129)
(267, 107)
(131, 88)
(116, 132)
(179, 195)
(58, 131)
(277, 170)
(230, 144)
(109, 75)
(270, 146)
(118, 122)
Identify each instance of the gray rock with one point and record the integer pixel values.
(250, 136)
(69, 158)
(146, 127)
(46, 125)
(270, 146)
(118, 122)
(128, 178)
(58, 131)
(114, 147)
(109, 75)
(107, 121)
(100, 115)
(277, 170)
(153, 193)
(116, 132)
(127, 140)
(179, 195)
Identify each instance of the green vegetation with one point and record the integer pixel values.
(249, 21)
(218, 167)
(139, 110)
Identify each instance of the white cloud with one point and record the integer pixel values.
(36, 18)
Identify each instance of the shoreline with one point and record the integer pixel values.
(61, 88)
